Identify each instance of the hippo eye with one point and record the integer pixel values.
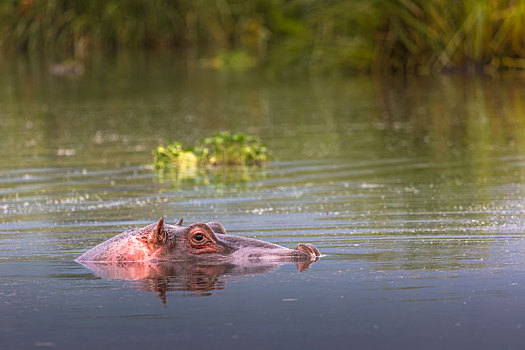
(199, 239)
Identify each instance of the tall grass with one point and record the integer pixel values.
(443, 35)
(78, 26)
(417, 36)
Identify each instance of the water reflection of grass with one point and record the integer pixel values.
(237, 175)
(453, 119)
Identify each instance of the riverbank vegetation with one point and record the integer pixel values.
(284, 36)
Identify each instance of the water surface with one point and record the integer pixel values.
(413, 190)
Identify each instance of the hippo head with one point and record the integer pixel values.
(196, 242)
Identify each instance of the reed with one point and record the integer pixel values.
(474, 35)
(410, 36)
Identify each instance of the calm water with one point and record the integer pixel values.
(414, 190)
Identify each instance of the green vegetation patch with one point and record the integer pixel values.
(222, 148)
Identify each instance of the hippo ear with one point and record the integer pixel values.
(216, 227)
(158, 234)
(179, 223)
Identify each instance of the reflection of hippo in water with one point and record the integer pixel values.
(197, 242)
(164, 276)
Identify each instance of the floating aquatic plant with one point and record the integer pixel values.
(174, 155)
(222, 148)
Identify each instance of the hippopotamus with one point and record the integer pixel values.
(197, 242)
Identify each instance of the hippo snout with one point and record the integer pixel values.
(310, 249)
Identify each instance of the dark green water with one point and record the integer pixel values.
(412, 189)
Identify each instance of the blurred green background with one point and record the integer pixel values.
(281, 36)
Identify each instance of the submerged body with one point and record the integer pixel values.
(200, 241)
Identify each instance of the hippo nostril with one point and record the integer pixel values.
(310, 248)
